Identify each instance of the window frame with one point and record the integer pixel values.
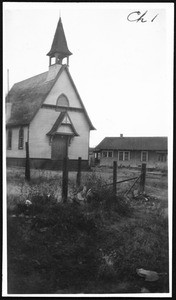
(111, 153)
(163, 156)
(119, 155)
(57, 101)
(128, 155)
(107, 154)
(9, 139)
(104, 154)
(146, 152)
(21, 138)
(123, 155)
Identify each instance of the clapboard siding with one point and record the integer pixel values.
(80, 144)
(64, 129)
(39, 146)
(15, 152)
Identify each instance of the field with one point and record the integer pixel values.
(93, 246)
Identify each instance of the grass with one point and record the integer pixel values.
(91, 248)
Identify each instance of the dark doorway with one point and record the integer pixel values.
(59, 147)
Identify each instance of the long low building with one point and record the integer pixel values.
(132, 151)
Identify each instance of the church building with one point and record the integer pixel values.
(47, 112)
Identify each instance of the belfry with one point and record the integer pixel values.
(59, 49)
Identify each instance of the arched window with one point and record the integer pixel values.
(21, 138)
(62, 101)
(9, 139)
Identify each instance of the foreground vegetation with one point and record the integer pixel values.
(92, 246)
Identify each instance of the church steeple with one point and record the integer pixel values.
(59, 48)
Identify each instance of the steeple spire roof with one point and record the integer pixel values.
(59, 45)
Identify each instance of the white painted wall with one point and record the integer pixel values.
(42, 123)
(63, 85)
(80, 145)
(15, 152)
(64, 129)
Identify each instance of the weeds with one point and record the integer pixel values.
(70, 247)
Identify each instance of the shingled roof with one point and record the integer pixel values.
(27, 97)
(133, 143)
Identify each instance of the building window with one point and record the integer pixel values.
(107, 154)
(162, 157)
(9, 139)
(21, 138)
(110, 154)
(62, 101)
(104, 154)
(124, 155)
(121, 155)
(144, 156)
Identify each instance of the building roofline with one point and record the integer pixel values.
(64, 67)
(74, 86)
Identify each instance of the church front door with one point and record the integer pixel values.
(59, 147)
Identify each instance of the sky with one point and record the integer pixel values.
(122, 69)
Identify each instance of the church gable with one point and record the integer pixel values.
(63, 125)
(63, 86)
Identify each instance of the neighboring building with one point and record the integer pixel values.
(47, 112)
(132, 151)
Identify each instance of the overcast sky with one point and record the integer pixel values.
(122, 69)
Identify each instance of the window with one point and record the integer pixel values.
(9, 139)
(110, 154)
(124, 155)
(144, 156)
(97, 155)
(21, 138)
(121, 155)
(107, 154)
(62, 101)
(162, 157)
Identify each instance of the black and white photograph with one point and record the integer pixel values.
(87, 149)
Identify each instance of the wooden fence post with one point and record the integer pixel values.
(78, 178)
(65, 179)
(114, 177)
(27, 164)
(143, 176)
